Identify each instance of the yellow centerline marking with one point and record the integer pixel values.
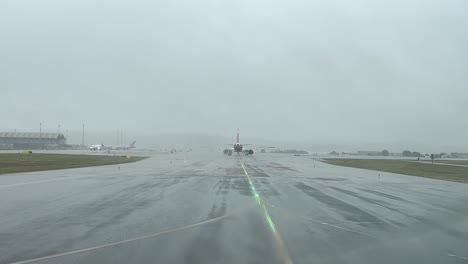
(282, 250)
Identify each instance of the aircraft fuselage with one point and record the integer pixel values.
(237, 147)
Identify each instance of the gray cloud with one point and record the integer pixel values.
(368, 72)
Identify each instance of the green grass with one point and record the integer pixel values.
(12, 162)
(441, 172)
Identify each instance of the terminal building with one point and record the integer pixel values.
(369, 153)
(22, 140)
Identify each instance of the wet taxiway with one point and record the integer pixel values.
(202, 207)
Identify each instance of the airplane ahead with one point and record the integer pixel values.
(238, 148)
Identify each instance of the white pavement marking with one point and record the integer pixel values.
(455, 256)
(357, 222)
(126, 241)
(338, 227)
(43, 181)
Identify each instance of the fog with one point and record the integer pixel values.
(330, 74)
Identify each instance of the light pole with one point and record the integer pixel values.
(40, 135)
(82, 137)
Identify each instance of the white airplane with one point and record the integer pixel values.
(238, 148)
(129, 147)
(102, 147)
(96, 147)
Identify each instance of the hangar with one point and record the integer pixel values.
(24, 140)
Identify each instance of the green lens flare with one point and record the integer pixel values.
(259, 201)
(270, 222)
(283, 250)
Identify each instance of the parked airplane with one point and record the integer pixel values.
(96, 147)
(131, 146)
(102, 147)
(238, 148)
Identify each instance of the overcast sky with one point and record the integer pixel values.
(330, 71)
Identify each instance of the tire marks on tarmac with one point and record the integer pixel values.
(350, 212)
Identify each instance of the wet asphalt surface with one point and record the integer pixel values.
(199, 207)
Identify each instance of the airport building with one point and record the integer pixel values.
(22, 140)
(458, 155)
(369, 153)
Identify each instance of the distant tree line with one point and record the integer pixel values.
(290, 151)
(405, 153)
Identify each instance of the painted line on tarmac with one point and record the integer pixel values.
(42, 181)
(458, 257)
(127, 240)
(357, 222)
(338, 227)
(325, 223)
(282, 250)
(328, 224)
